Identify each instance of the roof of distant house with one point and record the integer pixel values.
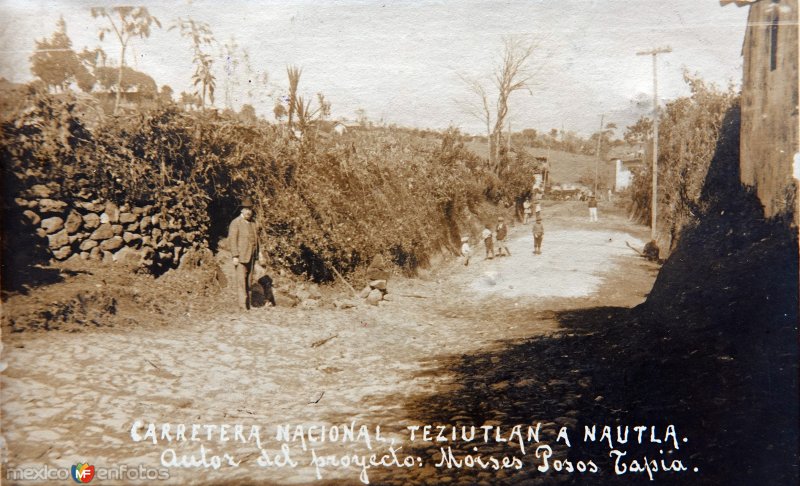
(739, 3)
(622, 152)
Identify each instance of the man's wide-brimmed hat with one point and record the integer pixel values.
(246, 203)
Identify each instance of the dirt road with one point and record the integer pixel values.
(89, 396)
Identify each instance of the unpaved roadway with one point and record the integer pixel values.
(75, 397)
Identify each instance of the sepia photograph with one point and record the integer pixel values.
(413, 242)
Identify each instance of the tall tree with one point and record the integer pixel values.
(165, 95)
(126, 23)
(299, 107)
(231, 65)
(201, 36)
(240, 79)
(279, 111)
(248, 113)
(56, 64)
(513, 74)
(91, 60)
(324, 106)
(293, 73)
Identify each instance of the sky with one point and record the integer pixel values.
(404, 62)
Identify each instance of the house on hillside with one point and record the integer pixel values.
(770, 132)
(130, 99)
(623, 171)
(624, 160)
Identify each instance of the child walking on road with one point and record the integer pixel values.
(487, 240)
(527, 211)
(502, 232)
(538, 235)
(466, 251)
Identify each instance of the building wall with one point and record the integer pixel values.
(623, 178)
(769, 139)
(623, 175)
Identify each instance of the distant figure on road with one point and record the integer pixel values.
(502, 232)
(487, 241)
(527, 206)
(592, 209)
(538, 208)
(243, 243)
(466, 251)
(538, 236)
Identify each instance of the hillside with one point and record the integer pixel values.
(564, 166)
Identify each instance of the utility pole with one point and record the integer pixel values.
(597, 159)
(654, 200)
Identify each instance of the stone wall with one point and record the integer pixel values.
(88, 228)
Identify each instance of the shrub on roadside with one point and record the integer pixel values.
(323, 201)
(688, 131)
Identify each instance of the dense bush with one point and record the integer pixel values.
(322, 200)
(688, 131)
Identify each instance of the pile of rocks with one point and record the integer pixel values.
(290, 294)
(93, 229)
(375, 292)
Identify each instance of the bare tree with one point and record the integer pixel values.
(481, 109)
(324, 106)
(513, 74)
(237, 66)
(231, 65)
(126, 23)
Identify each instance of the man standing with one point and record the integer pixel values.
(243, 243)
(592, 209)
(502, 231)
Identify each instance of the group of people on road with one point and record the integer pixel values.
(501, 231)
(488, 236)
(243, 241)
(500, 234)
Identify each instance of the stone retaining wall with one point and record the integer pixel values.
(94, 229)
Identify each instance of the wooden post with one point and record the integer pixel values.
(654, 200)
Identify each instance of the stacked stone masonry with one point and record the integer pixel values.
(94, 229)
